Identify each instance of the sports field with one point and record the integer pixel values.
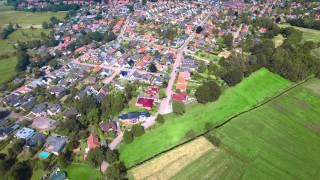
(168, 164)
(82, 171)
(280, 140)
(254, 89)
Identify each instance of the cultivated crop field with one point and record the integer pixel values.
(254, 89)
(280, 140)
(215, 164)
(168, 164)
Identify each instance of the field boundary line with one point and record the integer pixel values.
(219, 125)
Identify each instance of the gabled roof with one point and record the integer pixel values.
(180, 97)
(145, 102)
(93, 141)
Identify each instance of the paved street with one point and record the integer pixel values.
(165, 105)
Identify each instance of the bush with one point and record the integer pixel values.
(137, 130)
(95, 157)
(178, 107)
(233, 77)
(214, 140)
(190, 134)
(209, 126)
(128, 137)
(160, 119)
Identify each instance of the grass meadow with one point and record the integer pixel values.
(252, 90)
(308, 34)
(27, 19)
(279, 140)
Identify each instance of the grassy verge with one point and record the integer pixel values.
(256, 88)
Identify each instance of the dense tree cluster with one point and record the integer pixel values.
(208, 92)
(170, 32)
(7, 31)
(306, 22)
(292, 60)
(23, 58)
(87, 38)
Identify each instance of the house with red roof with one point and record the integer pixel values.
(182, 81)
(144, 102)
(93, 141)
(179, 97)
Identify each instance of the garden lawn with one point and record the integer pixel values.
(252, 90)
(7, 69)
(82, 171)
(279, 140)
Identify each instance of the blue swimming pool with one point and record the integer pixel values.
(44, 155)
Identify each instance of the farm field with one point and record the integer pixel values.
(82, 171)
(168, 164)
(7, 69)
(279, 140)
(254, 89)
(308, 34)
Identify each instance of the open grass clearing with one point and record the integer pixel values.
(27, 34)
(7, 69)
(251, 91)
(168, 164)
(27, 19)
(82, 171)
(308, 34)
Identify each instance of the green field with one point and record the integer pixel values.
(7, 69)
(82, 171)
(254, 89)
(27, 19)
(308, 34)
(280, 140)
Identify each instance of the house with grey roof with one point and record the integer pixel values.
(54, 144)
